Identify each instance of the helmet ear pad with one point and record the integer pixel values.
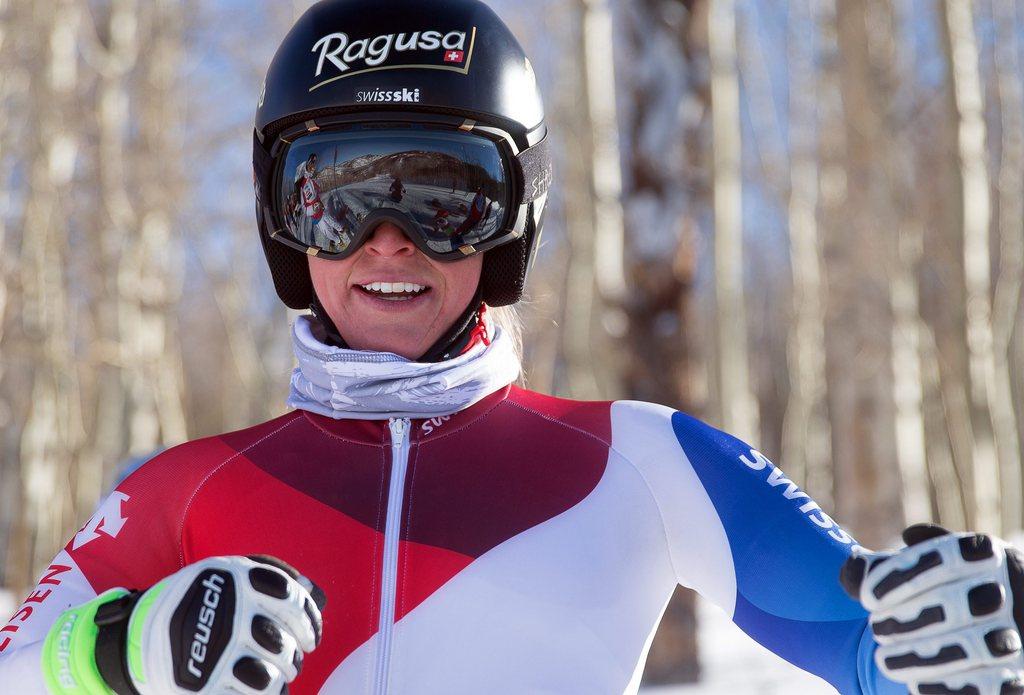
(504, 273)
(506, 267)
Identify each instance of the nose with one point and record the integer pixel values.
(389, 240)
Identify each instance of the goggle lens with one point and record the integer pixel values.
(451, 188)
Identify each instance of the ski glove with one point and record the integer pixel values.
(225, 624)
(946, 611)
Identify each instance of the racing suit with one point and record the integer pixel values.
(525, 544)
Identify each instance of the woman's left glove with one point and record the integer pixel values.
(228, 624)
(946, 611)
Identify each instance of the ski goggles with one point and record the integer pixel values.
(455, 188)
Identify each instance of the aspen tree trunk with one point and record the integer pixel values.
(578, 307)
(859, 251)
(832, 192)
(908, 384)
(1006, 303)
(606, 168)
(663, 112)
(594, 280)
(951, 500)
(806, 437)
(769, 306)
(606, 183)
(1016, 359)
(114, 58)
(245, 398)
(739, 414)
(53, 432)
(7, 267)
(904, 295)
(10, 298)
(148, 280)
(968, 110)
(759, 90)
(943, 349)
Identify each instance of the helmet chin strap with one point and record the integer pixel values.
(450, 344)
(331, 336)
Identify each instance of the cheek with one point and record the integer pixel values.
(461, 279)
(330, 280)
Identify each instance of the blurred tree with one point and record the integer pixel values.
(806, 436)
(150, 268)
(52, 430)
(927, 271)
(859, 248)
(904, 297)
(973, 205)
(13, 86)
(235, 343)
(663, 99)
(594, 228)
(110, 46)
(97, 266)
(1006, 301)
(737, 407)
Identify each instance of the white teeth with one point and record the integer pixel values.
(394, 287)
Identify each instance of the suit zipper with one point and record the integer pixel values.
(392, 534)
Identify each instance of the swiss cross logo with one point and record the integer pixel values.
(454, 56)
(107, 520)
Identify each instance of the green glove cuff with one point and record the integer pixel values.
(135, 625)
(69, 652)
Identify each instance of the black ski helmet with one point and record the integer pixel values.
(455, 56)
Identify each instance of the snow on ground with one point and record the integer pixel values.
(733, 664)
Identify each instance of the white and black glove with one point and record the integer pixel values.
(946, 611)
(225, 624)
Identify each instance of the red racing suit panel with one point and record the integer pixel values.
(133, 541)
(526, 544)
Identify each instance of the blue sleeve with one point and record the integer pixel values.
(787, 553)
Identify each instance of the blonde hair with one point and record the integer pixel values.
(508, 320)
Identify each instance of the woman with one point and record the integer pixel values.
(418, 524)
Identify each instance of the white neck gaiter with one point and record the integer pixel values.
(362, 385)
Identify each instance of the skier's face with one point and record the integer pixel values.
(389, 318)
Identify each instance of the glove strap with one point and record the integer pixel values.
(112, 643)
(69, 651)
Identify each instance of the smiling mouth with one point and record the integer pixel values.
(394, 291)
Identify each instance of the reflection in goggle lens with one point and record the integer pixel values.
(452, 186)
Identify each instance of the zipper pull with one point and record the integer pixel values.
(398, 427)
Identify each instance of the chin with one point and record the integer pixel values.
(409, 348)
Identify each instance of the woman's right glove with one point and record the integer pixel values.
(235, 624)
(946, 611)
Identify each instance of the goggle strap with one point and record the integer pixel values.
(535, 163)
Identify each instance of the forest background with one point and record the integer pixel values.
(801, 221)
